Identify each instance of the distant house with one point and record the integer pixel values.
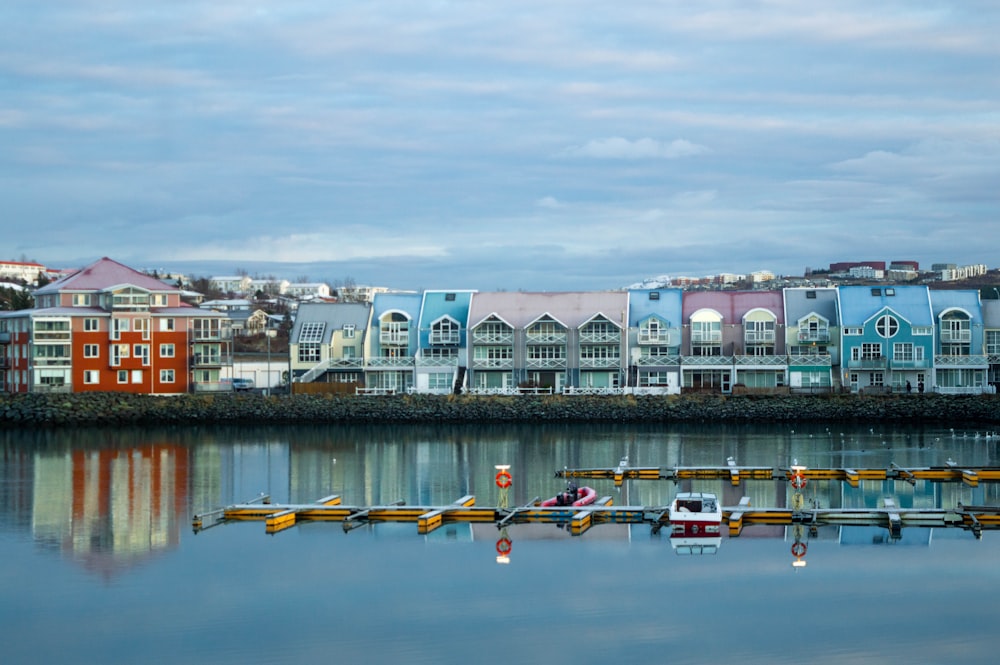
(23, 271)
(358, 293)
(245, 322)
(239, 284)
(307, 289)
(227, 305)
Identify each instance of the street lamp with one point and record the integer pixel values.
(269, 334)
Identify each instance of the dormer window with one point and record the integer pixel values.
(654, 295)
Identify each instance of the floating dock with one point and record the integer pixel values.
(578, 519)
(735, 474)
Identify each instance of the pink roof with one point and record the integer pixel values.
(733, 305)
(102, 275)
(572, 309)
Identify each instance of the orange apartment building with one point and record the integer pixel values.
(108, 327)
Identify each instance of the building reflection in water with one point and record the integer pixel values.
(111, 499)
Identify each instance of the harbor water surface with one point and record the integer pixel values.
(100, 563)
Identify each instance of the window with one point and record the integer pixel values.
(91, 325)
(91, 351)
(158, 300)
(123, 376)
(91, 376)
(993, 342)
(876, 379)
(876, 292)
(811, 295)
(81, 300)
(439, 381)
(312, 332)
(141, 351)
(903, 352)
(349, 329)
(654, 295)
(887, 326)
(166, 376)
(166, 350)
(166, 325)
(449, 297)
(137, 376)
(652, 379)
(309, 352)
(118, 326)
(853, 332)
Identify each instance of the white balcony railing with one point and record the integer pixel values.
(444, 337)
(545, 363)
(814, 336)
(664, 337)
(765, 361)
(956, 336)
(487, 337)
(394, 337)
(493, 363)
(437, 361)
(961, 361)
(600, 363)
(613, 337)
(546, 338)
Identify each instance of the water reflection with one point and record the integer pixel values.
(112, 498)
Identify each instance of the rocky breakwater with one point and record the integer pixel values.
(104, 409)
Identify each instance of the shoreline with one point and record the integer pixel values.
(104, 409)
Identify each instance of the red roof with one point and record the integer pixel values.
(102, 275)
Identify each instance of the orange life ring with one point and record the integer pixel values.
(798, 550)
(798, 481)
(503, 546)
(503, 479)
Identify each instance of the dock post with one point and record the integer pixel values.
(504, 481)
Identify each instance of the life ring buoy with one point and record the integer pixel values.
(504, 546)
(503, 479)
(798, 550)
(799, 481)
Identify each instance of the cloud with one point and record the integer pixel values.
(644, 148)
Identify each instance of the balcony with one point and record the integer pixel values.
(761, 361)
(492, 337)
(545, 363)
(207, 335)
(819, 360)
(646, 360)
(879, 362)
(210, 360)
(345, 363)
(437, 361)
(662, 337)
(600, 363)
(398, 362)
(444, 338)
(394, 337)
(751, 337)
(955, 336)
(961, 361)
(545, 337)
(493, 363)
(706, 361)
(706, 336)
(614, 337)
(810, 336)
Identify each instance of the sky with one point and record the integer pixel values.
(515, 145)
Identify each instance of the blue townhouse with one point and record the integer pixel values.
(960, 362)
(654, 340)
(887, 338)
(442, 357)
(392, 342)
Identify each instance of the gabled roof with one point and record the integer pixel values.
(571, 308)
(859, 304)
(667, 306)
(102, 275)
(966, 300)
(409, 303)
(436, 305)
(334, 315)
(733, 305)
(798, 304)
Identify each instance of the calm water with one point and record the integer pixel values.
(100, 564)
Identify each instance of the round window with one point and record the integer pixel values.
(887, 326)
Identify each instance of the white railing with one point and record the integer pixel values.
(493, 391)
(437, 361)
(656, 337)
(546, 338)
(820, 360)
(814, 336)
(759, 337)
(706, 336)
(600, 337)
(658, 361)
(955, 336)
(706, 360)
(481, 337)
(493, 363)
(381, 362)
(545, 363)
(447, 337)
(601, 363)
(575, 390)
(394, 337)
(960, 361)
(769, 361)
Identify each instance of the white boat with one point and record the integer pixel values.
(695, 515)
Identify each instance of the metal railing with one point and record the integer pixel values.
(493, 363)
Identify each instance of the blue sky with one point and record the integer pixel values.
(499, 145)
